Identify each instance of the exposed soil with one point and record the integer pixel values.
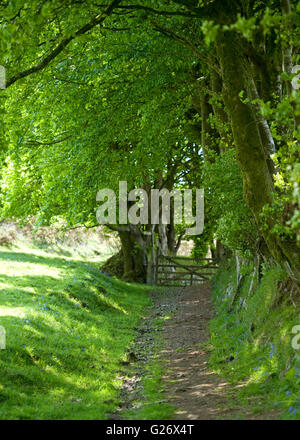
(196, 392)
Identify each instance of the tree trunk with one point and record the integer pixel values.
(219, 111)
(263, 127)
(251, 156)
(208, 135)
(133, 258)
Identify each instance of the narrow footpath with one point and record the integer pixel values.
(189, 385)
(198, 394)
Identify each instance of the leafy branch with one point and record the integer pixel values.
(64, 43)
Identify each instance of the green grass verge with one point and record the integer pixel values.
(257, 332)
(67, 329)
(152, 405)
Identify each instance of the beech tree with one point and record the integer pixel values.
(179, 93)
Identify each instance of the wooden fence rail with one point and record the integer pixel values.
(176, 271)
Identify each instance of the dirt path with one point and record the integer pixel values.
(196, 392)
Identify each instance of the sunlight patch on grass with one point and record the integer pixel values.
(68, 328)
(13, 311)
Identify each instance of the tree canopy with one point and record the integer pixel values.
(176, 94)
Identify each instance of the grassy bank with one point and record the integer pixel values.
(251, 338)
(68, 327)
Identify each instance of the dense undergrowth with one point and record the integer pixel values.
(68, 328)
(251, 338)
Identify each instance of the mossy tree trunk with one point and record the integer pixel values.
(133, 258)
(250, 152)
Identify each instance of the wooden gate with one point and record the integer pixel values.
(183, 271)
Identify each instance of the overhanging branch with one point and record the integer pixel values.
(154, 11)
(64, 43)
(57, 141)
